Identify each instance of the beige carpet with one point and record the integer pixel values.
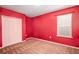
(38, 46)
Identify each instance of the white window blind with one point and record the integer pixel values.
(64, 25)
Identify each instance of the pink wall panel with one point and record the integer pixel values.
(45, 26)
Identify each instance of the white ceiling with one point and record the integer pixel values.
(35, 10)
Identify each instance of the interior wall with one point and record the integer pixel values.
(25, 26)
(28, 27)
(45, 27)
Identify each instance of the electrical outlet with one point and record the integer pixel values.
(50, 37)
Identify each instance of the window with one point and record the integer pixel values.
(64, 25)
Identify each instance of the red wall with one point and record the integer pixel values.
(46, 25)
(29, 27)
(25, 21)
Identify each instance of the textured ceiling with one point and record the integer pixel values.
(35, 10)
